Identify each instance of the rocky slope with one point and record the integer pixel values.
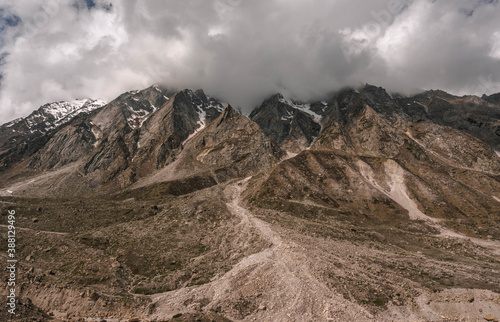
(470, 114)
(169, 205)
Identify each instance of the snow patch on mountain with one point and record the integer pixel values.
(202, 116)
(62, 109)
(11, 123)
(213, 103)
(137, 118)
(287, 117)
(306, 108)
(158, 89)
(50, 116)
(140, 113)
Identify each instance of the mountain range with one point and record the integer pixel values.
(166, 204)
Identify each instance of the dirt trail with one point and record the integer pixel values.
(278, 278)
(245, 216)
(445, 160)
(39, 231)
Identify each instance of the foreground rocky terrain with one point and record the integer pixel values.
(165, 205)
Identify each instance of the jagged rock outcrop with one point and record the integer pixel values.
(494, 98)
(363, 123)
(234, 146)
(21, 138)
(142, 132)
(167, 205)
(293, 126)
(476, 116)
(369, 143)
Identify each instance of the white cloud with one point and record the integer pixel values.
(243, 50)
(495, 45)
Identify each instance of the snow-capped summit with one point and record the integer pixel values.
(306, 108)
(50, 116)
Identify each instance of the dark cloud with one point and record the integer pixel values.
(242, 50)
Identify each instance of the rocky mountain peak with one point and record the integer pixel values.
(274, 98)
(24, 136)
(201, 94)
(292, 125)
(50, 116)
(493, 98)
(136, 106)
(228, 113)
(173, 197)
(376, 93)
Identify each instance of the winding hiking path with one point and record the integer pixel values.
(38, 231)
(280, 273)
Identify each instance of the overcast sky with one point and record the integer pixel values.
(243, 50)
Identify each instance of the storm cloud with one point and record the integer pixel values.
(243, 50)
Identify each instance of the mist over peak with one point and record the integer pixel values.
(243, 51)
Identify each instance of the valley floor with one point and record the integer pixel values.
(262, 265)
